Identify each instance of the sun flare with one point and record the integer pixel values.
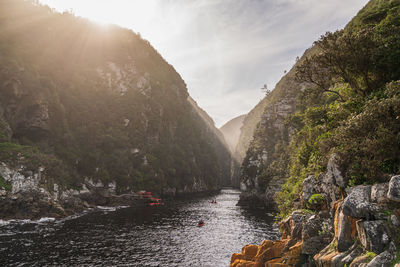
(122, 12)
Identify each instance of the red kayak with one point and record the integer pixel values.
(201, 224)
(155, 202)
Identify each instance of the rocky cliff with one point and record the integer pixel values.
(334, 227)
(218, 141)
(326, 153)
(259, 178)
(247, 129)
(83, 105)
(232, 130)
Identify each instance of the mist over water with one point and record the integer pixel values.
(149, 236)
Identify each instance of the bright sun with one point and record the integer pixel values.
(127, 13)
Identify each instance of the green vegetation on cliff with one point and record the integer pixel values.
(86, 101)
(353, 108)
(350, 106)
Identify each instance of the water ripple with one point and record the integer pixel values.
(152, 236)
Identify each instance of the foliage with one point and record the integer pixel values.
(397, 259)
(370, 255)
(316, 199)
(350, 106)
(69, 71)
(351, 110)
(4, 184)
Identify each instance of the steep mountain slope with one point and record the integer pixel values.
(217, 141)
(79, 102)
(249, 125)
(330, 156)
(231, 131)
(269, 141)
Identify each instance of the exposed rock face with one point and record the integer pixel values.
(29, 198)
(247, 129)
(345, 231)
(394, 188)
(267, 254)
(232, 131)
(379, 193)
(357, 203)
(384, 259)
(333, 171)
(363, 220)
(270, 138)
(302, 234)
(373, 235)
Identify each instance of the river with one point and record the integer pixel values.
(148, 236)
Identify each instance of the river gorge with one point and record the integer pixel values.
(139, 236)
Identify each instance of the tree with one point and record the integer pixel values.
(265, 90)
(345, 58)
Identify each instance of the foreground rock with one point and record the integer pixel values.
(358, 226)
(394, 189)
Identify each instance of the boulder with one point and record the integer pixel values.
(315, 235)
(325, 256)
(311, 227)
(309, 186)
(273, 252)
(250, 250)
(385, 258)
(379, 193)
(3, 192)
(297, 221)
(329, 189)
(314, 244)
(382, 260)
(395, 220)
(257, 256)
(373, 235)
(344, 230)
(360, 261)
(357, 203)
(394, 189)
(348, 256)
(334, 172)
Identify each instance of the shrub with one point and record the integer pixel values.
(316, 199)
(4, 184)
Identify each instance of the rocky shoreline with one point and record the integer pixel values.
(26, 196)
(335, 226)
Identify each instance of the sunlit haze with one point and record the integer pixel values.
(225, 50)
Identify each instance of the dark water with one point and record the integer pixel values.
(151, 236)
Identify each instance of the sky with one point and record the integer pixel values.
(225, 50)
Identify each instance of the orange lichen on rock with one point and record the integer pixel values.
(289, 258)
(250, 250)
(325, 259)
(269, 253)
(243, 263)
(270, 250)
(336, 208)
(274, 253)
(276, 265)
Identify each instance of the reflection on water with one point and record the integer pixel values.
(152, 236)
